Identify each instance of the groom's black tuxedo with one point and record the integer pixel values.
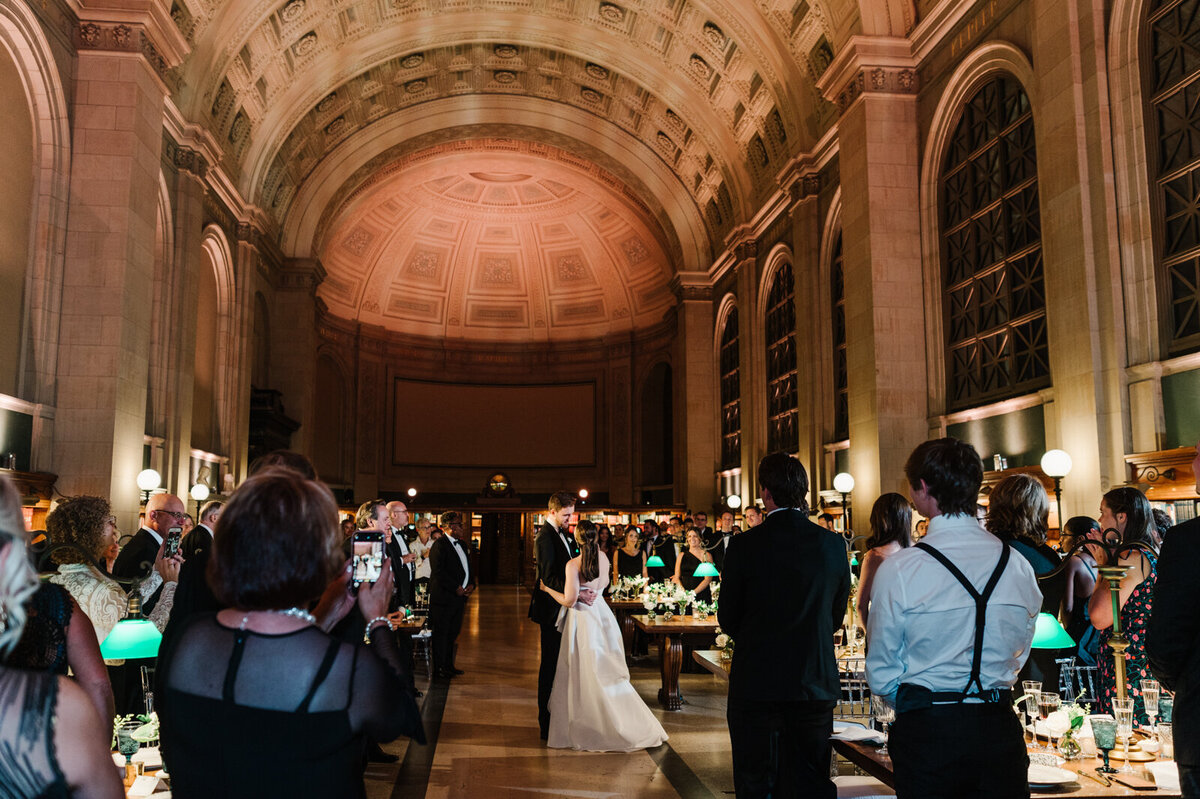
(552, 556)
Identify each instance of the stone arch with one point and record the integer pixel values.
(830, 230)
(887, 17)
(972, 72)
(21, 36)
(727, 308)
(224, 351)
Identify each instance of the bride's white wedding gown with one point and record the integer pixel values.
(593, 707)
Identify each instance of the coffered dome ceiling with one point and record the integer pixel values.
(681, 116)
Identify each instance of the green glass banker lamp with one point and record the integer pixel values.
(706, 569)
(133, 637)
(655, 562)
(1049, 634)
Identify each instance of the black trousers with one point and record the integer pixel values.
(551, 643)
(953, 751)
(781, 749)
(446, 620)
(1189, 781)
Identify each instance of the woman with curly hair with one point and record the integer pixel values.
(55, 742)
(88, 524)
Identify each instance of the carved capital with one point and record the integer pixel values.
(122, 38)
(190, 161)
(691, 287)
(870, 65)
(301, 274)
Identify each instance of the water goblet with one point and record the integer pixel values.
(1104, 729)
(1150, 690)
(1123, 710)
(126, 744)
(885, 714)
(1047, 703)
(1166, 707)
(1166, 745)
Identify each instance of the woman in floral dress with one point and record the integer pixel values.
(1126, 511)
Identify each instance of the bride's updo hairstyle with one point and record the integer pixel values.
(585, 536)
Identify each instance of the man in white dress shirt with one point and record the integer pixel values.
(950, 626)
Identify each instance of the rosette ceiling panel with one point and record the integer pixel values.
(512, 169)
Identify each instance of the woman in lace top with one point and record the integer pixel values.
(88, 524)
(55, 744)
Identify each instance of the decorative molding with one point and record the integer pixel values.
(870, 65)
(124, 38)
(692, 287)
(301, 274)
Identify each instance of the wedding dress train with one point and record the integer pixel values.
(593, 706)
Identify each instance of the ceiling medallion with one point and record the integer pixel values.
(591, 95)
(336, 126)
(416, 86)
(327, 102)
(611, 12)
(402, 3)
(505, 50)
(714, 34)
(292, 11)
(306, 45)
(596, 71)
(412, 61)
(699, 66)
(504, 77)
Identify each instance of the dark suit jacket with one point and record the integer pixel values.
(783, 593)
(1173, 634)
(403, 593)
(198, 540)
(664, 547)
(552, 560)
(141, 549)
(446, 572)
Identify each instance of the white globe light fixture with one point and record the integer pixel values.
(412, 492)
(734, 501)
(843, 483)
(583, 493)
(147, 481)
(199, 492)
(1057, 464)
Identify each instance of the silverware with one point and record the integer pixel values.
(1100, 779)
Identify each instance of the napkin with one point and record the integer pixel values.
(143, 786)
(856, 732)
(1166, 774)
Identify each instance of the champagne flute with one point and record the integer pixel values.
(1150, 690)
(885, 714)
(1031, 688)
(1104, 729)
(1123, 710)
(1047, 703)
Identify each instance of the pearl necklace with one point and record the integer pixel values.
(295, 613)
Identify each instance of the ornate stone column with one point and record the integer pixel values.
(294, 343)
(695, 391)
(109, 263)
(874, 82)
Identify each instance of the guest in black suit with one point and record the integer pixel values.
(200, 539)
(783, 592)
(451, 581)
(721, 539)
(553, 546)
(1173, 640)
(163, 511)
(402, 560)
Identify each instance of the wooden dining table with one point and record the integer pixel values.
(670, 649)
(624, 609)
(866, 756)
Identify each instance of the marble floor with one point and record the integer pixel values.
(484, 737)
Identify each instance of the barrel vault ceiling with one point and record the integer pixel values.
(511, 169)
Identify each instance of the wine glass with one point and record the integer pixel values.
(1104, 729)
(1047, 703)
(1123, 710)
(126, 744)
(885, 714)
(1150, 690)
(1031, 688)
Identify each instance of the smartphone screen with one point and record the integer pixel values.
(367, 556)
(174, 536)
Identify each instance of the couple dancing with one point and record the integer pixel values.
(585, 699)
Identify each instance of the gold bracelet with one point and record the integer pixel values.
(371, 625)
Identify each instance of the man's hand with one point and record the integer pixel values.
(586, 595)
(409, 558)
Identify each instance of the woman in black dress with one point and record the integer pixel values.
(688, 562)
(629, 560)
(258, 699)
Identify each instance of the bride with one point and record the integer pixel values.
(593, 707)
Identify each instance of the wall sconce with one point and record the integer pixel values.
(843, 483)
(734, 501)
(1057, 464)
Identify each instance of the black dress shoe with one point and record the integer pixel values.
(376, 755)
(456, 672)
(442, 674)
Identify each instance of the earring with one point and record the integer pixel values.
(3, 617)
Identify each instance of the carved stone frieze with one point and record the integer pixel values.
(877, 80)
(123, 38)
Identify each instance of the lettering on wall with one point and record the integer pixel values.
(974, 28)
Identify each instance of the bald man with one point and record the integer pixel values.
(163, 511)
(403, 561)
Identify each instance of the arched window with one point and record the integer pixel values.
(731, 393)
(995, 299)
(781, 363)
(841, 379)
(1174, 131)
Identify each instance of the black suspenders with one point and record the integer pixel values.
(974, 687)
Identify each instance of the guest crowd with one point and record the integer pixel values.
(281, 670)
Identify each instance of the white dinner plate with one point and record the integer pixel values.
(1047, 776)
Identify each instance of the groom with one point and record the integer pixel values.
(553, 547)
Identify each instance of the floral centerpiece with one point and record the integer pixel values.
(628, 587)
(725, 644)
(147, 733)
(1064, 724)
(666, 598)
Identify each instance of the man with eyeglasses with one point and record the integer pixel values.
(163, 511)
